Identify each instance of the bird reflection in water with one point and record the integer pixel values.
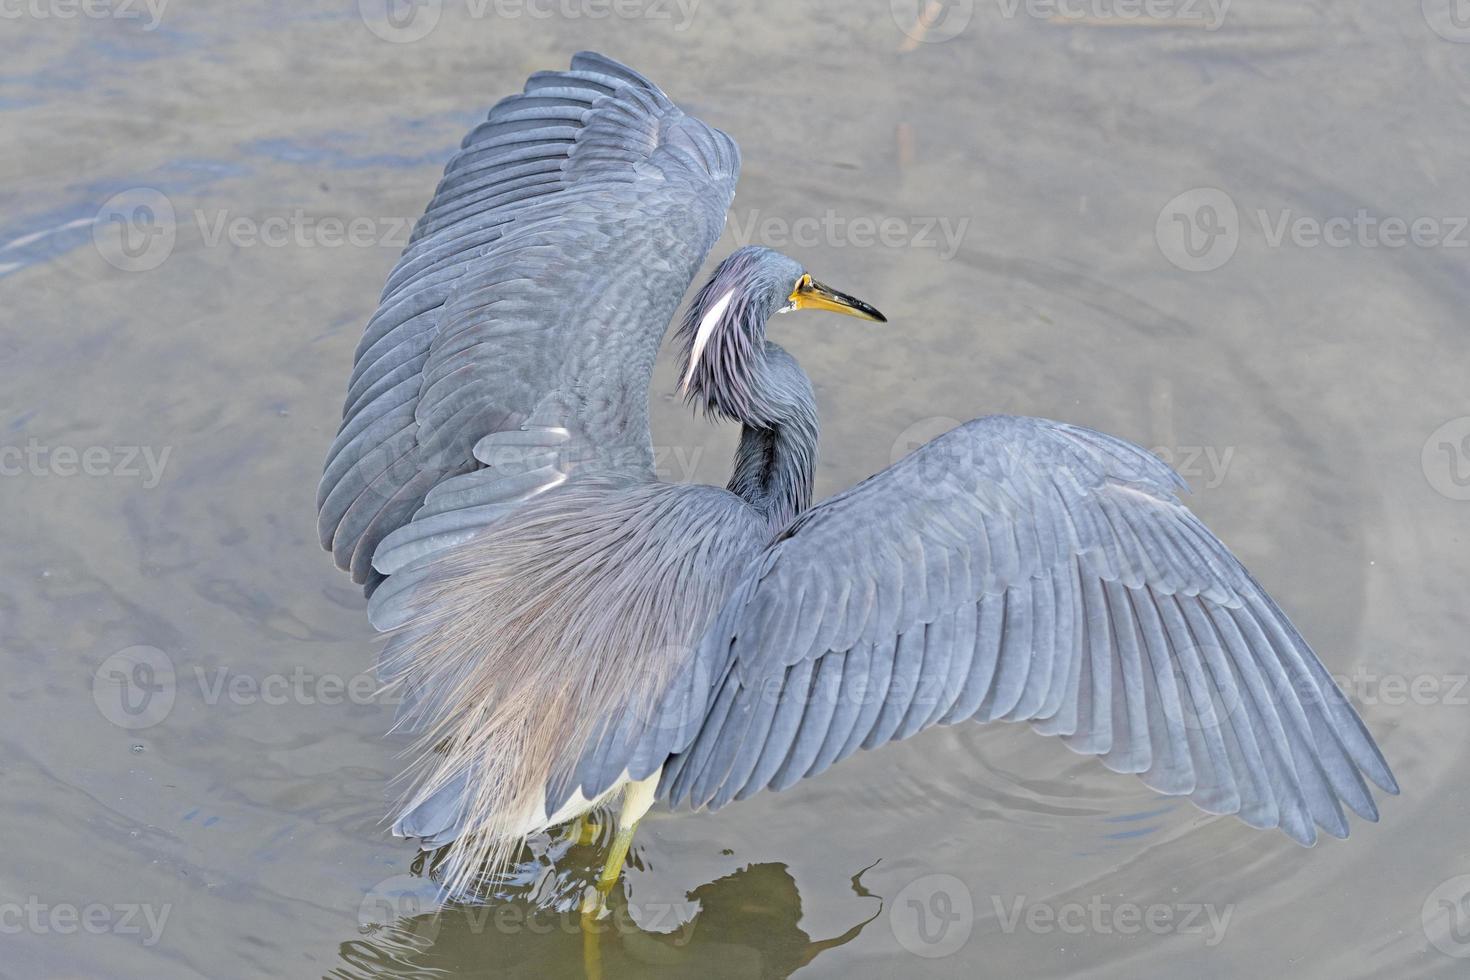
(744, 924)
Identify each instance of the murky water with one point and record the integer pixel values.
(175, 358)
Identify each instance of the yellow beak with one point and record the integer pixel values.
(812, 295)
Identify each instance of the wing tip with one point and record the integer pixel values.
(603, 64)
(1381, 774)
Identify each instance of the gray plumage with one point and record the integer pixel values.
(502, 358)
(1024, 570)
(562, 623)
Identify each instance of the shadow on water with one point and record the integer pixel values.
(744, 924)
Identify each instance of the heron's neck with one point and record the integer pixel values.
(776, 461)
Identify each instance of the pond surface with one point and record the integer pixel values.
(1234, 235)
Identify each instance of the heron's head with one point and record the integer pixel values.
(724, 331)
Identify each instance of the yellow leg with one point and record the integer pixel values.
(637, 800)
(591, 946)
(612, 869)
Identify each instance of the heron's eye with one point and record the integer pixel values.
(801, 282)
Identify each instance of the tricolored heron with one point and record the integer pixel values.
(567, 629)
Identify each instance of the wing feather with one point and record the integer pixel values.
(1026, 570)
(532, 296)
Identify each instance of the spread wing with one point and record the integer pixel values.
(1024, 570)
(515, 339)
